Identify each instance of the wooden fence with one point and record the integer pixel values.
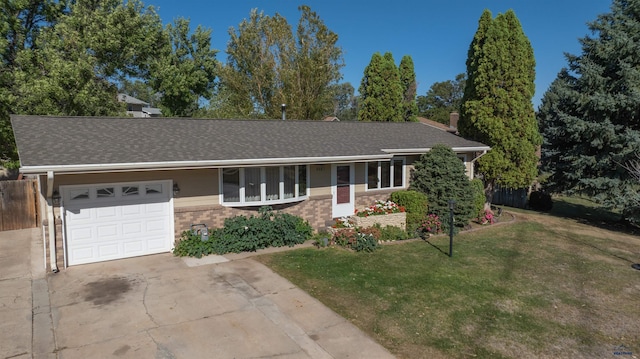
(516, 198)
(18, 204)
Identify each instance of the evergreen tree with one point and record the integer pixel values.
(370, 90)
(410, 89)
(496, 107)
(441, 175)
(590, 115)
(381, 91)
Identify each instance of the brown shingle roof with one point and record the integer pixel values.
(50, 143)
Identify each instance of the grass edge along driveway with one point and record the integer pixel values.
(540, 287)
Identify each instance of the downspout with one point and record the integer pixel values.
(51, 223)
(473, 168)
(475, 159)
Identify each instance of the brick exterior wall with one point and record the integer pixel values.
(59, 246)
(316, 210)
(367, 199)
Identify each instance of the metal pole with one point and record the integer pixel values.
(284, 111)
(451, 206)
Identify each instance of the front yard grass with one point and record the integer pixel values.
(539, 287)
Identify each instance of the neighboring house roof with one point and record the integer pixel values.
(85, 144)
(131, 100)
(152, 111)
(331, 118)
(438, 125)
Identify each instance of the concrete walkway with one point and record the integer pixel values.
(24, 302)
(161, 306)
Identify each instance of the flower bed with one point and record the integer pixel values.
(380, 208)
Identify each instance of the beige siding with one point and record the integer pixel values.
(320, 177)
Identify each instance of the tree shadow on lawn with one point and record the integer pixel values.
(587, 212)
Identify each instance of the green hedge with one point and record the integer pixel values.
(247, 234)
(415, 204)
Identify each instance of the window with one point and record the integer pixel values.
(264, 185)
(385, 174)
(105, 192)
(231, 184)
(154, 188)
(81, 193)
(130, 191)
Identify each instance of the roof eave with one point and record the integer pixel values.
(174, 165)
(419, 151)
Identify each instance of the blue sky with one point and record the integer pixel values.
(436, 34)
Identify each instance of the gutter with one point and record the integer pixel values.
(418, 151)
(172, 165)
(51, 223)
(153, 166)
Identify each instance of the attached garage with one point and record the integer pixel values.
(116, 220)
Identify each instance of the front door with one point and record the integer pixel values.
(342, 189)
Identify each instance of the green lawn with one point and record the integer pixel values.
(538, 287)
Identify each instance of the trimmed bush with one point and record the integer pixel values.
(479, 198)
(441, 175)
(415, 204)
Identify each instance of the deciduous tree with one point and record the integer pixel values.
(344, 101)
(442, 99)
(184, 70)
(74, 65)
(267, 66)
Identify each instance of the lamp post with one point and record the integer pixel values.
(452, 205)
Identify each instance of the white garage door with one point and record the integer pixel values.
(117, 220)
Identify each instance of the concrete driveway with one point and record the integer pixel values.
(160, 307)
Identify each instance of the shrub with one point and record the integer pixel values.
(430, 225)
(365, 243)
(441, 176)
(359, 240)
(540, 201)
(415, 204)
(373, 231)
(242, 233)
(344, 237)
(190, 245)
(392, 233)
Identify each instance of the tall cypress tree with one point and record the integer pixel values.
(590, 116)
(410, 89)
(381, 90)
(497, 106)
